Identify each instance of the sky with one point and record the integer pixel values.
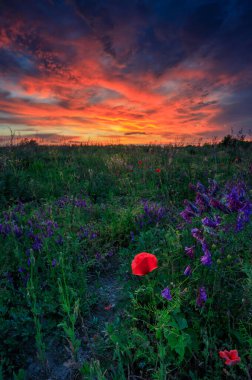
(125, 71)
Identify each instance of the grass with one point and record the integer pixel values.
(72, 220)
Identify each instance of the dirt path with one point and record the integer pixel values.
(108, 290)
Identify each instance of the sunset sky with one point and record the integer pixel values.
(129, 71)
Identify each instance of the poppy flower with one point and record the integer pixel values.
(158, 170)
(140, 162)
(231, 357)
(144, 263)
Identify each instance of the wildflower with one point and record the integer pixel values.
(202, 297)
(231, 357)
(191, 206)
(190, 251)
(213, 187)
(187, 214)
(206, 259)
(220, 206)
(54, 262)
(188, 271)
(243, 216)
(202, 201)
(197, 234)
(166, 293)
(140, 162)
(201, 188)
(144, 263)
(158, 170)
(213, 223)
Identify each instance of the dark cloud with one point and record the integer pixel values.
(134, 133)
(131, 41)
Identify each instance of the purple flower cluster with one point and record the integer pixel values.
(209, 203)
(233, 201)
(87, 233)
(65, 201)
(152, 213)
(202, 297)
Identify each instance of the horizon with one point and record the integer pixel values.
(140, 73)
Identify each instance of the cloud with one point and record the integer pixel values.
(135, 69)
(134, 133)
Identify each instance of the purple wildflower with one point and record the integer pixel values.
(202, 297)
(191, 206)
(187, 214)
(188, 271)
(190, 251)
(218, 205)
(202, 201)
(213, 223)
(200, 188)
(166, 293)
(213, 187)
(197, 234)
(243, 216)
(54, 263)
(206, 259)
(37, 244)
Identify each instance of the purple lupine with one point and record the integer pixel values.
(191, 206)
(212, 187)
(152, 213)
(37, 244)
(202, 296)
(188, 271)
(197, 234)
(206, 259)
(243, 216)
(54, 263)
(187, 214)
(213, 223)
(17, 231)
(234, 198)
(80, 203)
(190, 251)
(166, 293)
(218, 205)
(202, 201)
(200, 188)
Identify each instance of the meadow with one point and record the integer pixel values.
(72, 220)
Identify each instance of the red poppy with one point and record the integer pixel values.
(158, 170)
(144, 263)
(140, 162)
(231, 357)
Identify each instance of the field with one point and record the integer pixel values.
(73, 219)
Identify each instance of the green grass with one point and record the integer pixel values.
(69, 304)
